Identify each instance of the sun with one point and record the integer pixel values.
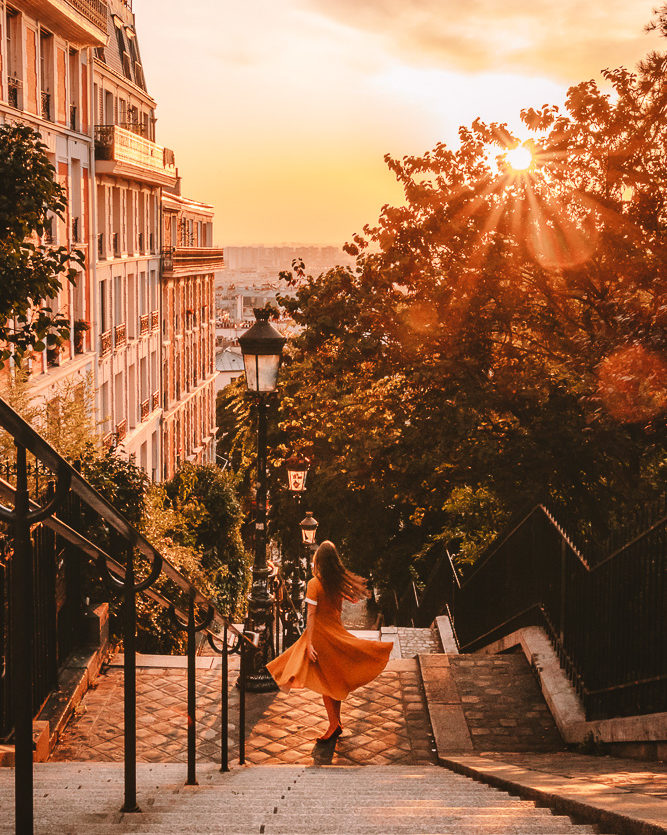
(520, 158)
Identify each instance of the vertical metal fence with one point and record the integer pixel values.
(604, 610)
(41, 552)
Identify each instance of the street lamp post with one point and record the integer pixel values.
(261, 347)
(308, 530)
(297, 570)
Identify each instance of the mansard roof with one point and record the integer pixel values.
(121, 53)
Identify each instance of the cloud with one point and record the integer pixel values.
(566, 39)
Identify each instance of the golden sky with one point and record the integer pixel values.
(280, 113)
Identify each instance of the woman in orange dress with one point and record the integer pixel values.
(327, 658)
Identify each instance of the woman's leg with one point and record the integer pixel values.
(333, 712)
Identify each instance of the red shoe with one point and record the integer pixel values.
(332, 736)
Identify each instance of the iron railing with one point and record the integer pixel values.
(14, 87)
(155, 320)
(120, 335)
(94, 10)
(603, 609)
(46, 106)
(135, 567)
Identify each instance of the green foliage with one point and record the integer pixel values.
(207, 516)
(31, 272)
(502, 337)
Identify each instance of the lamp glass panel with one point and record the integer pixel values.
(297, 480)
(308, 535)
(261, 371)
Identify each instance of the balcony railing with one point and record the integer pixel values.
(46, 106)
(94, 10)
(144, 324)
(167, 258)
(121, 430)
(155, 320)
(14, 86)
(101, 250)
(116, 144)
(121, 335)
(155, 400)
(76, 230)
(116, 245)
(145, 409)
(141, 243)
(72, 117)
(105, 344)
(107, 440)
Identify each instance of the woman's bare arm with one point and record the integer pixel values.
(310, 626)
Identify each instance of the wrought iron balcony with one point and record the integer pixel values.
(46, 106)
(155, 400)
(192, 257)
(105, 344)
(14, 87)
(123, 151)
(145, 409)
(107, 440)
(121, 429)
(116, 245)
(155, 320)
(72, 117)
(94, 10)
(167, 259)
(144, 324)
(121, 335)
(101, 249)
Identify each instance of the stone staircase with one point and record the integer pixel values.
(280, 800)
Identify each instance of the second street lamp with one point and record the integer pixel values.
(308, 530)
(296, 570)
(261, 347)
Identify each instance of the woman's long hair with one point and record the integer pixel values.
(335, 578)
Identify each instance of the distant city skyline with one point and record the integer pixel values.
(280, 114)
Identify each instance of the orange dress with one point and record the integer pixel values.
(344, 662)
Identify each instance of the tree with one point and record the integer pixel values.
(208, 517)
(501, 336)
(32, 272)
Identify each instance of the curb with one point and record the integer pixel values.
(522, 781)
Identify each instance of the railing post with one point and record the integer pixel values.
(224, 703)
(130, 684)
(22, 640)
(241, 686)
(192, 693)
(563, 574)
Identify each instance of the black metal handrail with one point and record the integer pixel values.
(604, 612)
(119, 575)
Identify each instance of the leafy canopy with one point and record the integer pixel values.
(32, 272)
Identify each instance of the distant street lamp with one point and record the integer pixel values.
(262, 347)
(295, 571)
(308, 529)
(297, 471)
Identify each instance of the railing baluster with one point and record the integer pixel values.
(130, 684)
(192, 694)
(224, 703)
(22, 640)
(241, 686)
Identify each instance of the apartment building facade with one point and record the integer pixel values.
(72, 70)
(46, 82)
(189, 263)
(131, 170)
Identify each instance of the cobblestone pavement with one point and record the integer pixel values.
(503, 705)
(414, 641)
(384, 722)
(630, 775)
